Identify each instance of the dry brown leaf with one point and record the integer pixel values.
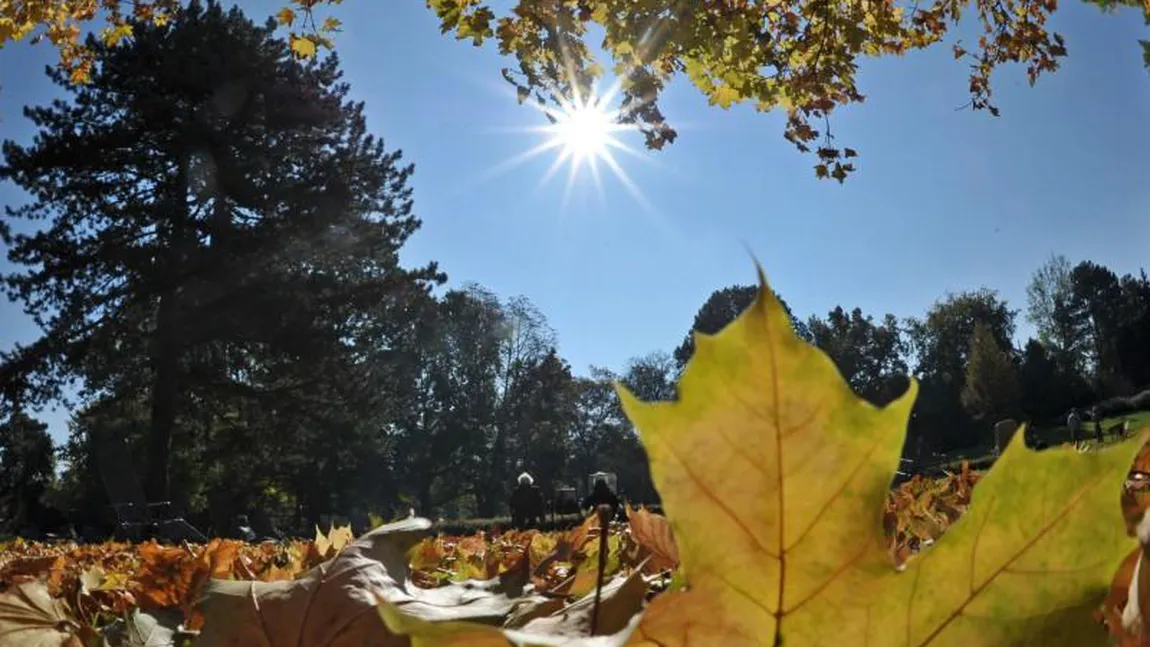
(335, 540)
(31, 617)
(214, 562)
(652, 533)
(28, 569)
(141, 629)
(620, 601)
(334, 603)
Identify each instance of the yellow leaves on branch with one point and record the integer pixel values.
(798, 56)
(311, 36)
(61, 22)
(773, 476)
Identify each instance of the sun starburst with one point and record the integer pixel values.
(584, 131)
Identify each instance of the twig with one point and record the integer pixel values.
(604, 512)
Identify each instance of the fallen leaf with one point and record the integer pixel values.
(620, 600)
(773, 475)
(1030, 561)
(619, 606)
(213, 562)
(142, 629)
(334, 603)
(30, 617)
(652, 532)
(334, 541)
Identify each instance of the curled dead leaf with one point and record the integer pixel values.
(653, 534)
(334, 603)
(31, 617)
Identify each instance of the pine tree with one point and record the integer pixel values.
(221, 232)
(27, 465)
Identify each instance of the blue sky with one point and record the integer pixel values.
(944, 200)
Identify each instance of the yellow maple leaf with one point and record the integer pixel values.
(773, 475)
(285, 16)
(724, 96)
(115, 34)
(303, 46)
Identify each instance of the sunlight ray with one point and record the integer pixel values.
(625, 179)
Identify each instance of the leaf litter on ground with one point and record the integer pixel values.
(781, 528)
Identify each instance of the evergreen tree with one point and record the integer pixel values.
(222, 235)
(27, 469)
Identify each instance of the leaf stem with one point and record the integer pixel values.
(604, 512)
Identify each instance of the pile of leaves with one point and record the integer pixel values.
(112, 593)
(115, 593)
(918, 511)
(560, 565)
(113, 590)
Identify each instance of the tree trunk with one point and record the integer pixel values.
(166, 346)
(425, 502)
(165, 391)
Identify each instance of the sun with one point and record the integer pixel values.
(585, 131)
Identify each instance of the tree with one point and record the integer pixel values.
(1046, 388)
(942, 339)
(27, 469)
(652, 376)
(870, 356)
(549, 412)
(799, 57)
(990, 392)
(1133, 344)
(1048, 298)
(941, 344)
(599, 427)
(451, 402)
(1049, 285)
(1096, 301)
(223, 231)
(720, 309)
(526, 340)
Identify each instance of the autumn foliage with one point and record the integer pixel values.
(799, 57)
(775, 478)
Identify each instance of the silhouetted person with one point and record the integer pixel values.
(601, 494)
(526, 503)
(244, 529)
(1093, 416)
(1073, 423)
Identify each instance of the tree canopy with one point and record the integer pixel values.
(800, 57)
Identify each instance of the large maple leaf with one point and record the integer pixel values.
(773, 473)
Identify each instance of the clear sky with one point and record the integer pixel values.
(944, 200)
